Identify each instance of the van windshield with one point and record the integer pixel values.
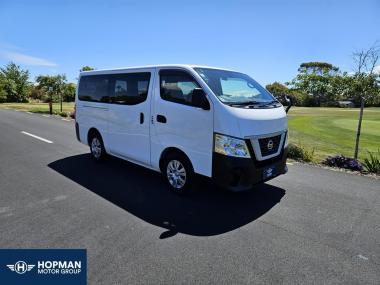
(235, 88)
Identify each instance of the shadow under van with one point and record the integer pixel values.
(143, 193)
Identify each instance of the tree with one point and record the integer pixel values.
(315, 79)
(366, 81)
(56, 83)
(86, 68)
(37, 93)
(279, 91)
(342, 86)
(316, 67)
(3, 94)
(69, 92)
(14, 83)
(299, 97)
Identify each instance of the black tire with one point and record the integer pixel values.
(97, 149)
(173, 168)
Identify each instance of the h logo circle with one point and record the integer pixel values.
(21, 267)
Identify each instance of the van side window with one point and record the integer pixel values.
(93, 88)
(129, 88)
(177, 86)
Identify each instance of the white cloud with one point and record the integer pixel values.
(377, 69)
(26, 59)
(8, 46)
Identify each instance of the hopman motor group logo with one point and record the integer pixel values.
(43, 266)
(20, 267)
(48, 267)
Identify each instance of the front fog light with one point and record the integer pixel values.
(230, 146)
(286, 139)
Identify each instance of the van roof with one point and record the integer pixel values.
(187, 66)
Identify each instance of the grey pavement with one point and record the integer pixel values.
(310, 226)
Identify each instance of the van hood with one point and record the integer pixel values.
(259, 121)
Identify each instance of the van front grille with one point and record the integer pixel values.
(269, 145)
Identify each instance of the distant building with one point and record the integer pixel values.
(346, 104)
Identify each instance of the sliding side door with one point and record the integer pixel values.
(129, 113)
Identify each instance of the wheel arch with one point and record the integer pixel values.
(92, 131)
(170, 150)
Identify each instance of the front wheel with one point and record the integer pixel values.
(178, 173)
(98, 151)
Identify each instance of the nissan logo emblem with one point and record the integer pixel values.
(270, 145)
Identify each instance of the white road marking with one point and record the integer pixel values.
(46, 116)
(29, 112)
(36, 137)
(67, 120)
(289, 163)
(362, 257)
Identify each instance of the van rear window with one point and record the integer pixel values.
(120, 88)
(94, 88)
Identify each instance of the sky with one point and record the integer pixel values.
(266, 39)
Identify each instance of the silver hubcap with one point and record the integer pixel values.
(176, 174)
(96, 148)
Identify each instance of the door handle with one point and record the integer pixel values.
(141, 118)
(161, 119)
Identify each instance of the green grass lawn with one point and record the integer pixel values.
(332, 131)
(39, 107)
(329, 131)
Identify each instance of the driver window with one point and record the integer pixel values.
(177, 86)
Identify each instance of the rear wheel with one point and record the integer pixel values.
(178, 173)
(98, 151)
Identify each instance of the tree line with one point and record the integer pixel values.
(15, 86)
(316, 84)
(323, 84)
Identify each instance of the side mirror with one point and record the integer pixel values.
(288, 99)
(199, 99)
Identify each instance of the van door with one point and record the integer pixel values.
(179, 124)
(129, 114)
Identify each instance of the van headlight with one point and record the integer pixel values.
(230, 146)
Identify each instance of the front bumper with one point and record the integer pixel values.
(239, 174)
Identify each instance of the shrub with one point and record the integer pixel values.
(310, 101)
(299, 97)
(343, 162)
(372, 164)
(63, 114)
(299, 152)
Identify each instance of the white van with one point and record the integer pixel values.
(181, 119)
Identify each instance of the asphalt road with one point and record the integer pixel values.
(310, 226)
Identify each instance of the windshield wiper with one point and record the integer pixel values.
(245, 103)
(273, 102)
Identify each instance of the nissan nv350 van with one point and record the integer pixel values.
(181, 120)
